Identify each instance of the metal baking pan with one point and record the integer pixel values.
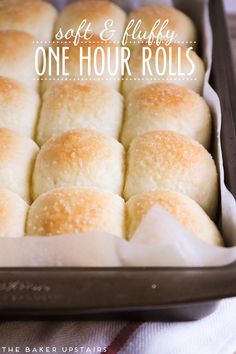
(137, 293)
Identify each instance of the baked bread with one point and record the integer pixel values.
(182, 25)
(34, 17)
(168, 63)
(166, 107)
(96, 13)
(13, 211)
(77, 105)
(19, 106)
(81, 158)
(70, 210)
(166, 160)
(17, 155)
(17, 58)
(185, 210)
(104, 59)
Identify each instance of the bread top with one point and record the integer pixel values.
(167, 99)
(16, 44)
(157, 97)
(13, 212)
(77, 105)
(34, 17)
(14, 147)
(95, 12)
(172, 150)
(68, 210)
(83, 145)
(77, 95)
(171, 161)
(10, 86)
(177, 21)
(91, 10)
(17, 59)
(166, 106)
(14, 93)
(185, 210)
(82, 158)
(19, 106)
(17, 155)
(9, 201)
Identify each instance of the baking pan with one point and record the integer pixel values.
(137, 293)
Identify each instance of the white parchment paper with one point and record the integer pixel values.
(160, 240)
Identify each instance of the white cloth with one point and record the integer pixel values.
(215, 334)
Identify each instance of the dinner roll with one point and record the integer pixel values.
(17, 155)
(17, 58)
(96, 13)
(178, 22)
(70, 209)
(92, 60)
(168, 63)
(167, 160)
(82, 158)
(13, 211)
(185, 210)
(34, 17)
(71, 105)
(19, 107)
(166, 107)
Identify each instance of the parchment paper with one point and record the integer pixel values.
(160, 240)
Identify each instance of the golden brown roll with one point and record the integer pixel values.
(96, 13)
(76, 105)
(34, 17)
(178, 22)
(70, 210)
(13, 211)
(172, 63)
(81, 158)
(185, 210)
(166, 107)
(17, 155)
(19, 107)
(17, 59)
(166, 160)
(93, 60)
